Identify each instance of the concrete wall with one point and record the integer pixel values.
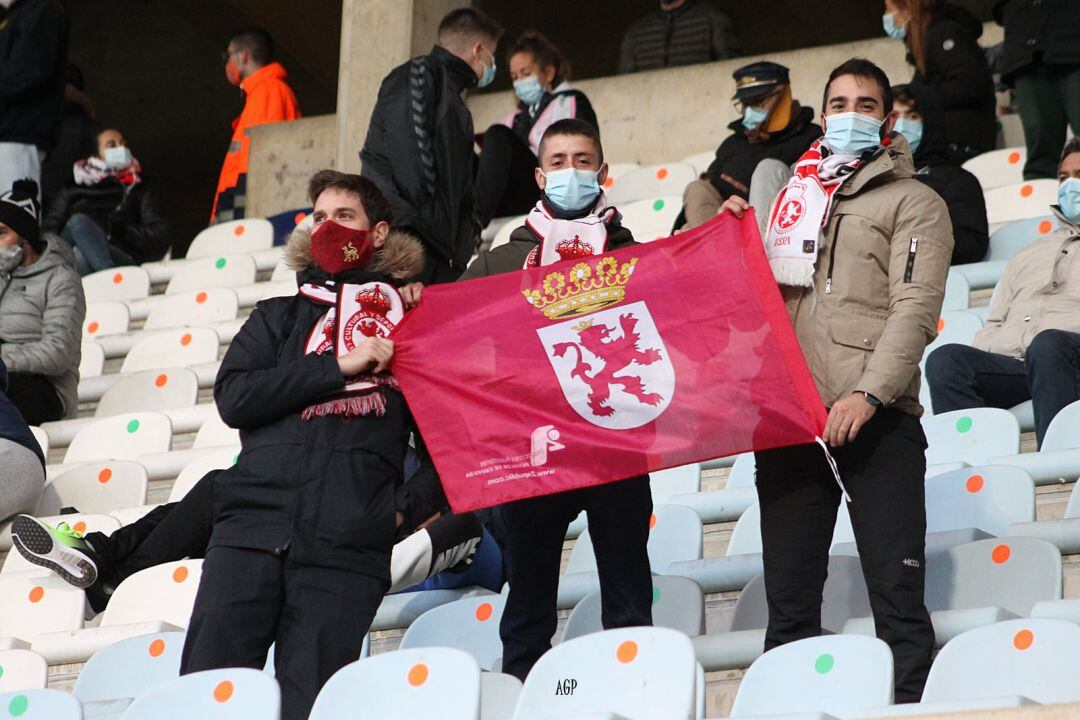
(288, 154)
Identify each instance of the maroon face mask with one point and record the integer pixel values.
(336, 248)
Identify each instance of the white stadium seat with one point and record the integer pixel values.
(97, 488)
(194, 471)
(972, 436)
(92, 360)
(126, 668)
(211, 695)
(120, 283)
(651, 181)
(31, 605)
(998, 167)
(503, 235)
(22, 670)
(42, 704)
(182, 347)
(105, 318)
(121, 437)
(700, 161)
(651, 219)
(616, 171)
(678, 604)
(1020, 201)
(194, 307)
(215, 433)
(213, 272)
(235, 236)
(470, 625)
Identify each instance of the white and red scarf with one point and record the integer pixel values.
(368, 310)
(93, 170)
(568, 239)
(800, 212)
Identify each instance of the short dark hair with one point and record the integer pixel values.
(257, 42)
(543, 51)
(862, 68)
(1072, 146)
(376, 206)
(902, 94)
(466, 23)
(575, 127)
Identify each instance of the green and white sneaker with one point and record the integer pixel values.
(59, 549)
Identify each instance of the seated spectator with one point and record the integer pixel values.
(679, 32)
(113, 214)
(23, 464)
(773, 126)
(921, 122)
(42, 308)
(1030, 347)
(943, 44)
(504, 179)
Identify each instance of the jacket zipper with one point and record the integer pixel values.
(910, 268)
(832, 255)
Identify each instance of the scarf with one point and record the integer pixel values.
(370, 309)
(568, 239)
(93, 170)
(801, 210)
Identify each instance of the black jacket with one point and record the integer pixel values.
(419, 151)
(137, 224)
(957, 72)
(77, 138)
(737, 157)
(12, 425)
(1043, 30)
(526, 117)
(695, 33)
(33, 67)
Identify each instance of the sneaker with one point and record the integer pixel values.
(59, 549)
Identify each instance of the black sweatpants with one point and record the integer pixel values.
(35, 396)
(1049, 101)
(250, 599)
(505, 177)
(533, 531)
(884, 471)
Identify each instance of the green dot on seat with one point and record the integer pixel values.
(963, 424)
(655, 595)
(133, 426)
(1, 671)
(18, 705)
(658, 205)
(220, 263)
(824, 663)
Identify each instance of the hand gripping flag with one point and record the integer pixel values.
(593, 370)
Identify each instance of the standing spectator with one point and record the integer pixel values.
(1041, 61)
(22, 464)
(77, 134)
(41, 311)
(860, 249)
(943, 44)
(267, 99)
(679, 32)
(921, 122)
(33, 63)
(504, 179)
(113, 214)
(1030, 347)
(419, 146)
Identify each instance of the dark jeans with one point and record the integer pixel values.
(963, 377)
(1049, 100)
(883, 470)
(92, 249)
(505, 178)
(534, 530)
(251, 599)
(35, 397)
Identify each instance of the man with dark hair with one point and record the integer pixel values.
(267, 99)
(678, 32)
(860, 249)
(419, 146)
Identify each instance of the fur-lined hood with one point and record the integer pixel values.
(401, 256)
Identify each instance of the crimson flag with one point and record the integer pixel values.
(597, 369)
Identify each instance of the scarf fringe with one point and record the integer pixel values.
(795, 272)
(348, 407)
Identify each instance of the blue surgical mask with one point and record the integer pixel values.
(753, 116)
(891, 29)
(571, 189)
(118, 157)
(850, 133)
(529, 90)
(1069, 199)
(912, 132)
(489, 73)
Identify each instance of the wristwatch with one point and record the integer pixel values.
(871, 399)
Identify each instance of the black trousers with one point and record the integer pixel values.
(35, 397)
(251, 599)
(883, 471)
(1049, 100)
(533, 531)
(505, 178)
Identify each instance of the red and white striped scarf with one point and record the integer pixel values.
(568, 239)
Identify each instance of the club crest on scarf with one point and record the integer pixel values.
(609, 358)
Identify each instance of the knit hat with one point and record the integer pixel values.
(21, 211)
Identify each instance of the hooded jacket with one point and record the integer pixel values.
(33, 68)
(42, 308)
(1046, 31)
(323, 489)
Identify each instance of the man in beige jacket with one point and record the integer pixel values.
(863, 280)
(1030, 347)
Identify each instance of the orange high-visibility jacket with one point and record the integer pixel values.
(268, 99)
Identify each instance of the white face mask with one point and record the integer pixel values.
(117, 157)
(10, 257)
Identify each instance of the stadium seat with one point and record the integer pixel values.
(40, 705)
(402, 609)
(42, 438)
(499, 694)
(957, 291)
(105, 318)
(34, 604)
(651, 219)
(643, 673)
(127, 668)
(222, 271)
(211, 695)
(121, 437)
(194, 471)
(832, 674)
(1064, 533)
(193, 307)
(678, 603)
(22, 670)
(129, 282)
(651, 181)
(283, 273)
(1059, 457)
(979, 502)
(503, 236)
(700, 161)
(417, 684)
(215, 433)
(1010, 239)
(233, 237)
(470, 625)
(1020, 201)
(92, 361)
(731, 502)
(97, 488)
(997, 168)
(150, 390)
(617, 171)
(972, 436)
(740, 565)
(182, 347)
(954, 326)
(285, 222)
(674, 481)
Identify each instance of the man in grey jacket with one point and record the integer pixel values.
(42, 308)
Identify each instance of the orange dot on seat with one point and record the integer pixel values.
(1014, 157)
(661, 173)
(609, 182)
(1026, 191)
(299, 217)
(79, 527)
(36, 593)
(238, 230)
(118, 278)
(185, 339)
(975, 484)
(93, 327)
(161, 380)
(1023, 639)
(156, 648)
(484, 612)
(180, 574)
(652, 521)
(1001, 554)
(1045, 227)
(105, 475)
(223, 691)
(940, 324)
(626, 652)
(418, 674)
(201, 298)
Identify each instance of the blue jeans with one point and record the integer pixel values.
(92, 249)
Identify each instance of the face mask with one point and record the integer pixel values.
(232, 73)
(850, 133)
(118, 157)
(753, 116)
(572, 189)
(529, 90)
(489, 73)
(889, 23)
(10, 257)
(1069, 199)
(912, 132)
(336, 248)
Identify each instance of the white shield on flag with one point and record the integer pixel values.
(612, 366)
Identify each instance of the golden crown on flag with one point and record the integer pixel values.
(588, 287)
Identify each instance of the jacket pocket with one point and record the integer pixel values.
(356, 504)
(852, 342)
